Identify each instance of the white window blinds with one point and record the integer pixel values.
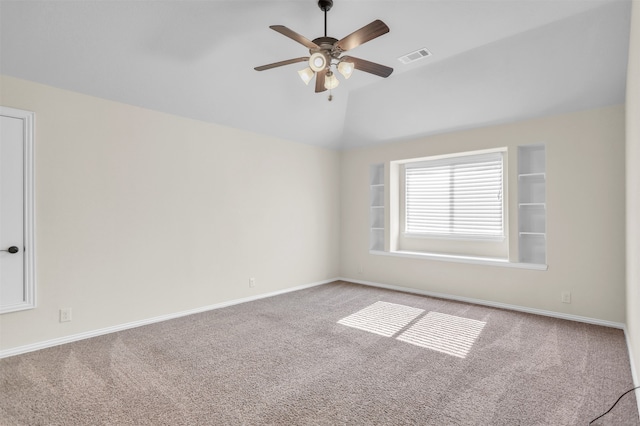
(457, 196)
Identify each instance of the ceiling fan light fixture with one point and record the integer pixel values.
(324, 53)
(346, 68)
(318, 61)
(306, 75)
(330, 81)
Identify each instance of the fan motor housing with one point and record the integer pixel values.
(326, 44)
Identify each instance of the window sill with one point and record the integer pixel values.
(462, 259)
(408, 235)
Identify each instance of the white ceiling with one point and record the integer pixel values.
(493, 61)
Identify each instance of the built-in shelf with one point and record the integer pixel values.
(539, 175)
(376, 207)
(532, 206)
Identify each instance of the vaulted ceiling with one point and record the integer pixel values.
(492, 61)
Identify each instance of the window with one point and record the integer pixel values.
(459, 196)
(451, 205)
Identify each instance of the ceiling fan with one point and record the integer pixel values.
(326, 52)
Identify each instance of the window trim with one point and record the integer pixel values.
(473, 260)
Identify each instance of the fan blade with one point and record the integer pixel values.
(281, 63)
(320, 75)
(363, 35)
(294, 36)
(370, 67)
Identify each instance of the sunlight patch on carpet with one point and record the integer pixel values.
(444, 333)
(382, 318)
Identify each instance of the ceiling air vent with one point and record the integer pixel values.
(414, 56)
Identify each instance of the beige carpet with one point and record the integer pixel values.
(335, 354)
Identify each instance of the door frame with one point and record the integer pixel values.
(29, 284)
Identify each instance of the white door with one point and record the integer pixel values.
(16, 231)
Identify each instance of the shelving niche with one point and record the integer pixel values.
(376, 207)
(532, 206)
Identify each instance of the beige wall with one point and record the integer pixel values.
(585, 217)
(140, 214)
(633, 188)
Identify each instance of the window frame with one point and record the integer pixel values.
(453, 244)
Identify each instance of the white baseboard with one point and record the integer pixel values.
(634, 372)
(94, 333)
(542, 312)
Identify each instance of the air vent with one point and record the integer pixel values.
(414, 56)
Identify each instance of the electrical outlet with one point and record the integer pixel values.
(65, 315)
(360, 270)
(565, 297)
(252, 282)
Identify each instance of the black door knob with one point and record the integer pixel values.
(12, 249)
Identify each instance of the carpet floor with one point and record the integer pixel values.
(336, 354)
